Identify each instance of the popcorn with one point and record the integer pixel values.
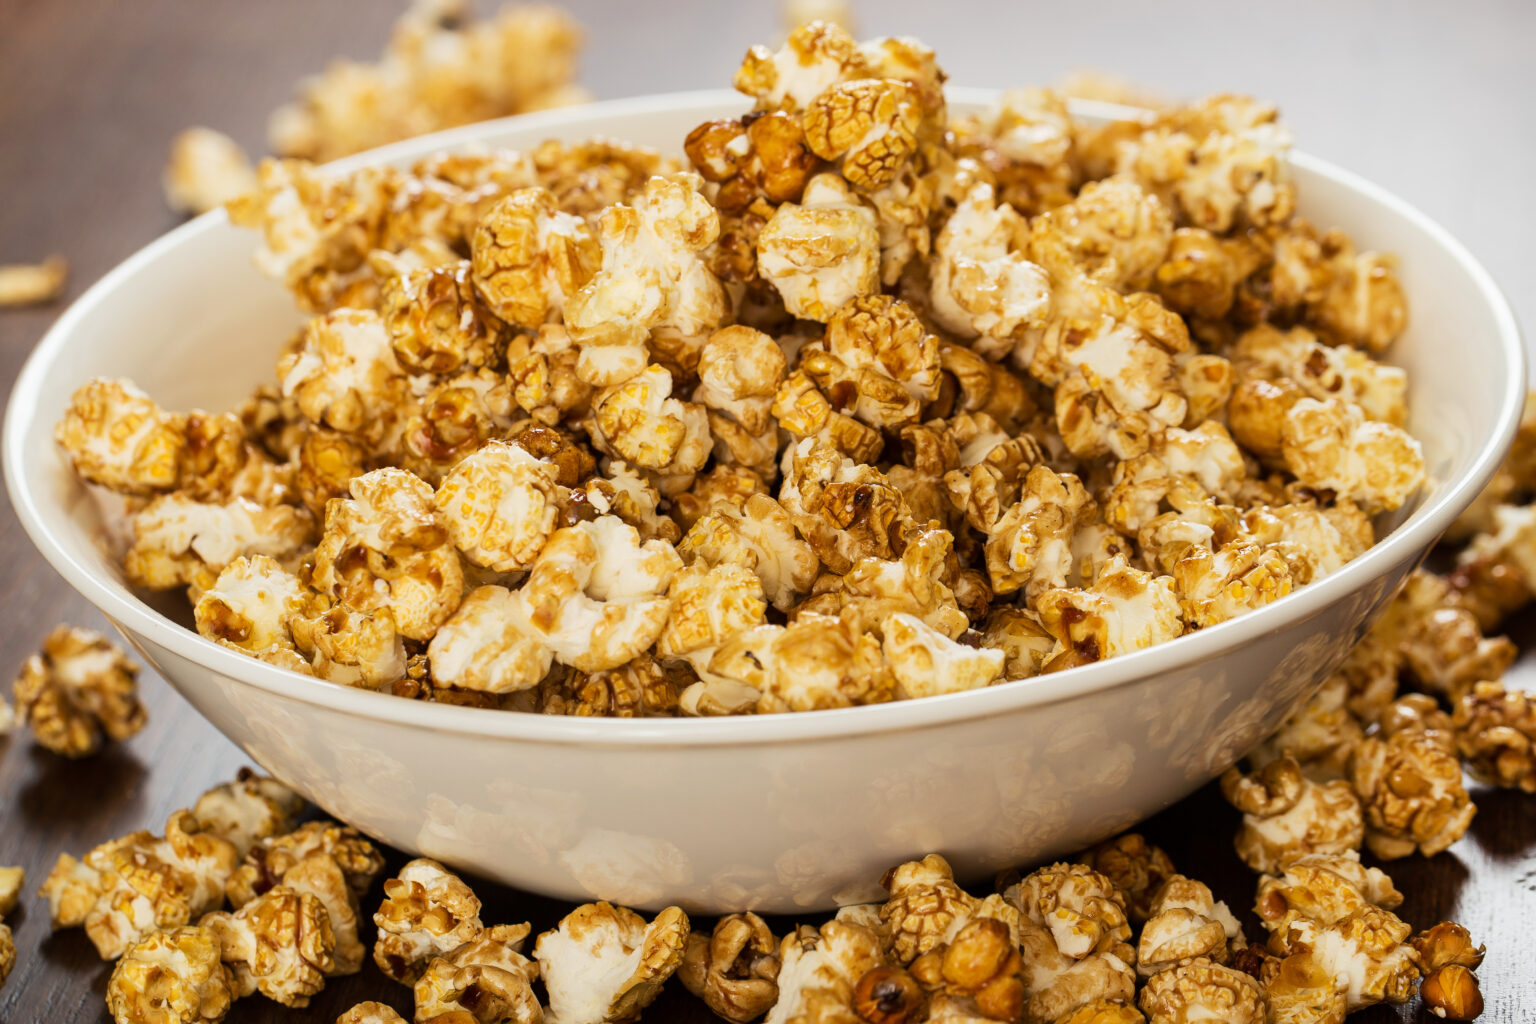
(1496, 735)
(640, 423)
(1324, 371)
(816, 56)
(1410, 788)
(178, 541)
(171, 977)
(867, 126)
(845, 511)
(1202, 990)
(606, 964)
(822, 970)
(1323, 888)
(279, 944)
(1286, 815)
(117, 436)
(734, 969)
(979, 973)
(643, 688)
(206, 169)
(344, 374)
(1495, 574)
(251, 808)
(1030, 545)
(815, 662)
(653, 275)
(1320, 737)
(133, 887)
(758, 536)
(1124, 609)
(78, 692)
(386, 548)
(499, 504)
(924, 903)
(1331, 445)
(427, 912)
(1185, 922)
(822, 251)
(982, 286)
(32, 284)
(273, 859)
(488, 973)
(531, 258)
(1079, 907)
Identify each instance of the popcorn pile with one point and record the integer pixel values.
(438, 70)
(872, 403)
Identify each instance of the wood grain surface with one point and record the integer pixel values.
(92, 92)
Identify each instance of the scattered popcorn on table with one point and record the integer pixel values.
(427, 912)
(488, 974)
(78, 692)
(1286, 814)
(32, 284)
(606, 964)
(171, 977)
(206, 169)
(734, 969)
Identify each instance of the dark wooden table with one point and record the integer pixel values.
(90, 94)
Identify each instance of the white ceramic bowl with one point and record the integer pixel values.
(773, 813)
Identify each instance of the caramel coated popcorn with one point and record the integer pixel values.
(171, 977)
(606, 964)
(859, 402)
(78, 692)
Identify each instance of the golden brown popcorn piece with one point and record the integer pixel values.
(427, 912)
(251, 808)
(1496, 735)
(1452, 993)
(1409, 784)
(806, 413)
(653, 275)
(438, 69)
(452, 420)
(117, 436)
(7, 953)
(1080, 908)
(11, 880)
(1364, 951)
(1323, 888)
(879, 347)
(1025, 143)
(131, 887)
(815, 662)
(1025, 644)
(270, 860)
(500, 504)
(1057, 984)
(1199, 991)
(1332, 446)
(485, 979)
(983, 287)
(542, 374)
(925, 901)
(206, 169)
(343, 645)
(387, 548)
(925, 662)
(709, 605)
(344, 375)
(1201, 272)
(1113, 231)
(875, 589)
(734, 969)
(1363, 304)
(437, 323)
(1136, 868)
(1124, 609)
(822, 251)
(1286, 815)
(1103, 1011)
(171, 977)
(979, 973)
(1215, 586)
(179, 541)
(1447, 943)
(1185, 922)
(279, 944)
(1442, 646)
(1257, 411)
(641, 423)
(530, 258)
(1324, 371)
(1030, 546)
(844, 510)
(78, 692)
(642, 688)
(740, 371)
(606, 964)
(31, 284)
(815, 56)
(758, 536)
(1495, 574)
(867, 126)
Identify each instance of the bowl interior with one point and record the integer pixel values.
(194, 324)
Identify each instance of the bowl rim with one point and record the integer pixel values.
(137, 618)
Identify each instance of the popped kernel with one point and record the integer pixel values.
(606, 964)
(78, 692)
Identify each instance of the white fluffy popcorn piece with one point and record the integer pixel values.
(594, 599)
(925, 662)
(816, 56)
(1286, 815)
(1325, 371)
(821, 252)
(604, 964)
(344, 375)
(982, 286)
(180, 541)
(427, 912)
(251, 605)
(482, 646)
(653, 275)
(1331, 445)
(1030, 545)
(500, 505)
(206, 169)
